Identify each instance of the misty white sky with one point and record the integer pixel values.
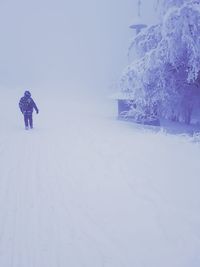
(65, 42)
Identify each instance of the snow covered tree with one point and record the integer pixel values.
(166, 70)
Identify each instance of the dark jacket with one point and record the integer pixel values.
(26, 105)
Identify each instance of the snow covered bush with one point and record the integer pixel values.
(165, 72)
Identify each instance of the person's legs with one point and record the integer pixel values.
(30, 121)
(26, 121)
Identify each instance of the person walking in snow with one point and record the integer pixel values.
(26, 105)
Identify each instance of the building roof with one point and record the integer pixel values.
(138, 26)
(138, 23)
(122, 96)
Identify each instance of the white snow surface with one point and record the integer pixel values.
(83, 189)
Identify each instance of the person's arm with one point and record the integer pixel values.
(21, 104)
(35, 107)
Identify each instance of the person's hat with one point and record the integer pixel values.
(27, 93)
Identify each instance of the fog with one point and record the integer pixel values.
(73, 43)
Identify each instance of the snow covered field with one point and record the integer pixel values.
(83, 189)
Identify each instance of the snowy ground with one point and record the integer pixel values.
(83, 189)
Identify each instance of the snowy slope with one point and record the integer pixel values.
(82, 189)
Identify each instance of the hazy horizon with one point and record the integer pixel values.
(62, 42)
